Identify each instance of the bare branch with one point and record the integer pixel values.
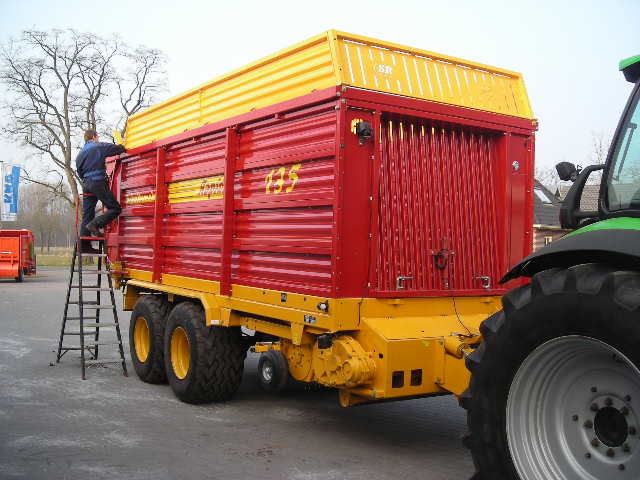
(57, 188)
(142, 81)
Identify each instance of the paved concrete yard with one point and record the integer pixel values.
(53, 425)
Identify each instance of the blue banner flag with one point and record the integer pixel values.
(10, 188)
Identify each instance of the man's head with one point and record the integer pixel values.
(90, 135)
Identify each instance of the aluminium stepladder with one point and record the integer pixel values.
(90, 309)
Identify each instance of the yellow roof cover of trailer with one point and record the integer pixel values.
(330, 59)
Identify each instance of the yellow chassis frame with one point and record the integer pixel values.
(422, 341)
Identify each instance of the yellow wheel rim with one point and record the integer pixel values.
(180, 353)
(141, 339)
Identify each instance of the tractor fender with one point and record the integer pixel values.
(613, 246)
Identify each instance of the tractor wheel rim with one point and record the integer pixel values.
(573, 412)
(141, 339)
(267, 371)
(180, 353)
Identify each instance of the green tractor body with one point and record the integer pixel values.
(555, 386)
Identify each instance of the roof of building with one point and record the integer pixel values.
(589, 200)
(546, 206)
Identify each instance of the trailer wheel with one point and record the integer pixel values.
(555, 385)
(273, 371)
(203, 364)
(146, 337)
(20, 276)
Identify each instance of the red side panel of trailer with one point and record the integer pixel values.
(437, 202)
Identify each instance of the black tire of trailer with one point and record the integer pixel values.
(154, 309)
(216, 357)
(20, 276)
(590, 300)
(273, 371)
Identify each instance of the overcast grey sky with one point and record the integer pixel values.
(568, 51)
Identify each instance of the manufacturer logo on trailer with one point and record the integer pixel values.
(212, 187)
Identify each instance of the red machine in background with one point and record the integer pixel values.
(17, 254)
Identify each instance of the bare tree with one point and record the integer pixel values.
(548, 177)
(600, 147)
(45, 213)
(598, 155)
(60, 83)
(140, 82)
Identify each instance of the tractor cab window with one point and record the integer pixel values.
(623, 183)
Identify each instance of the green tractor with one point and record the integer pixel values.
(555, 386)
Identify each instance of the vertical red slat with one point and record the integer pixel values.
(228, 213)
(418, 228)
(158, 214)
(404, 232)
(337, 255)
(113, 238)
(430, 198)
(374, 267)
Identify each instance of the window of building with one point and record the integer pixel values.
(542, 196)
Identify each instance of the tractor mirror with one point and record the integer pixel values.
(567, 171)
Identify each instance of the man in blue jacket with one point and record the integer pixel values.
(92, 171)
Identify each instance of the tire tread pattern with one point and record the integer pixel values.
(581, 281)
(158, 309)
(217, 371)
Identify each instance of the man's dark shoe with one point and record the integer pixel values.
(87, 248)
(90, 249)
(94, 229)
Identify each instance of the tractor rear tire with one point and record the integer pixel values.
(203, 364)
(146, 337)
(273, 371)
(555, 385)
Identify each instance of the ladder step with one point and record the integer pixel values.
(98, 239)
(102, 255)
(92, 289)
(100, 362)
(91, 345)
(92, 325)
(92, 306)
(99, 272)
(84, 318)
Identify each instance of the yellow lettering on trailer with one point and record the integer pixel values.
(279, 183)
(197, 189)
(293, 177)
(212, 188)
(139, 198)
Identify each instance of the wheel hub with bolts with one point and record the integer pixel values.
(582, 402)
(609, 425)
